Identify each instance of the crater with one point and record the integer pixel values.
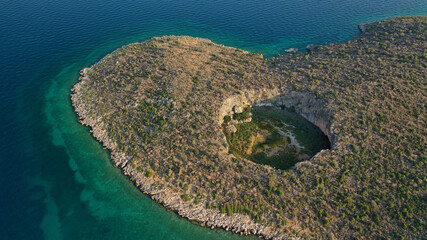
(160, 107)
(275, 127)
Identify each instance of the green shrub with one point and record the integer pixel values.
(186, 197)
(149, 174)
(243, 115)
(227, 119)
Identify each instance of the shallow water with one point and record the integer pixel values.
(57, 181)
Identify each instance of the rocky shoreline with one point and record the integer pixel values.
(158, 106)
(238, 223)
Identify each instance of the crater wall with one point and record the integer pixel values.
(304, 103)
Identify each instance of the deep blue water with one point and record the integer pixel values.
(56, 181)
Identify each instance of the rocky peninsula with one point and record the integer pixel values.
(159, 107)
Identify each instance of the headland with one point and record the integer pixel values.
(159, 107)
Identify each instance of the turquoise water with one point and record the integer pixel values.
(56, 181)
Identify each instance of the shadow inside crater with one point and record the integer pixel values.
(279, 130)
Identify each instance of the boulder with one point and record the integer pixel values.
(291, 50)
(248, 119)
(310, 47)
(237, 109)
(231, 129)
(362, 27)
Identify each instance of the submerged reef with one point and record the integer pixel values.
(161, 108)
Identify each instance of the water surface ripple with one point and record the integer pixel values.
(57, 181)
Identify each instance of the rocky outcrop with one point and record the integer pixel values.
(237, 109)
(310, 47)
(291, 50)
(362, 27)
(231, 128)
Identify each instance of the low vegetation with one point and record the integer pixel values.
(158, 100)
(266, 137)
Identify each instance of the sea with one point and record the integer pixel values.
(56, 180)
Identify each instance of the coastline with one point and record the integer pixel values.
(237, 223)
(334, 164)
